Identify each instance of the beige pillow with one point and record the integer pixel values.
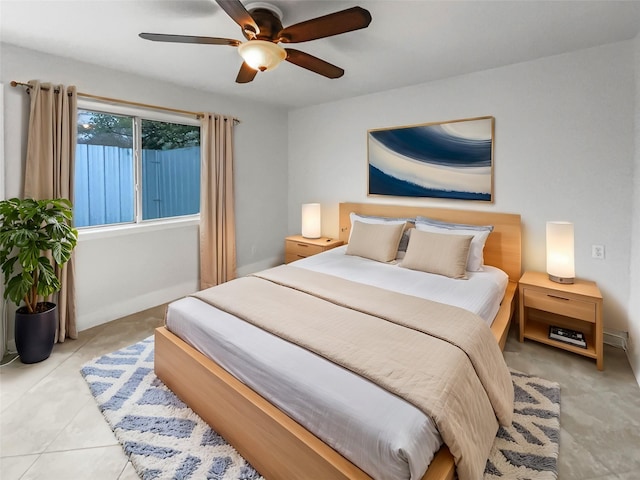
(440, 253)
(375, 241)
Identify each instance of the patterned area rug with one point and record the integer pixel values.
(528, 448)
(165, 439)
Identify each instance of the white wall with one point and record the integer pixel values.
(3, 345)
(634, 300)
(128, 273)
(142, 268)
(563, 151)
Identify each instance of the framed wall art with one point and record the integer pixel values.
(452, 160)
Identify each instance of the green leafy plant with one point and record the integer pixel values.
(35, 237)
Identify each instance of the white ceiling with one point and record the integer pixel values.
(408, 42)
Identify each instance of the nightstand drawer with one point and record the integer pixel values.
(302, 250)
(560, 304)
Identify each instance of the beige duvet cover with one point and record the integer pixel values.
(442, 359)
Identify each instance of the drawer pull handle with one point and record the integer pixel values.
(301, 256)
(557, 297)
(302, 245)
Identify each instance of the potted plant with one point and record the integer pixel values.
(35, 237)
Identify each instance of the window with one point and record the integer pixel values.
(131, 169)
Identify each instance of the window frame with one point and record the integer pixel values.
(138, 224)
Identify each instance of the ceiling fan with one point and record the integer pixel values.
(261, 25)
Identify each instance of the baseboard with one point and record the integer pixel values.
(124, 307)
(256, 267)
(616, 338)
(11, 346)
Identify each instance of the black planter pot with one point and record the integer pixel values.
(35, 333)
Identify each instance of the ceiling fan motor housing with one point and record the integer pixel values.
(269, 20)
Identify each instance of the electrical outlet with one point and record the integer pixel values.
(597, 251)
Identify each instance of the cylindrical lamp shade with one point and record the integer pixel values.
(311, 225)
(560, 254)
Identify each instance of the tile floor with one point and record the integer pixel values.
(50, 426)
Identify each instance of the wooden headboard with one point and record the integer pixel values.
(503, 247)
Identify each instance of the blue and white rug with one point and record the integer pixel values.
(165, 439)
(528, 448)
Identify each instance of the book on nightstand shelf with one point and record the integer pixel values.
(567, 335)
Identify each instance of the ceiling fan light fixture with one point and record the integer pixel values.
(262, 55)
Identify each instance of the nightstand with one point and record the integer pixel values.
(297, 247)
(576, 306)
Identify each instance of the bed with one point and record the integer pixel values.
(272, 442)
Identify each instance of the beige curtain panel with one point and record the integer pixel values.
(217, 217)
(51, 146)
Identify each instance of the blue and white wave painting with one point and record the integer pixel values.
(449, 160)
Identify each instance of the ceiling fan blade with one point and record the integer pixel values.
(312, 63)
(246, 74)
(336, 23)
(240, 15)
(162, 37)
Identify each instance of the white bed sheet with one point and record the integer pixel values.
(381, 433)
(481, 293)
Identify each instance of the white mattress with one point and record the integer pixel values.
(384, 435)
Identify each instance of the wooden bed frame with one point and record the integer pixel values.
(277, 446)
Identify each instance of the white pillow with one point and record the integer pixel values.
(376, 220)
(479, 233)
(443, 254)
(375, 241)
